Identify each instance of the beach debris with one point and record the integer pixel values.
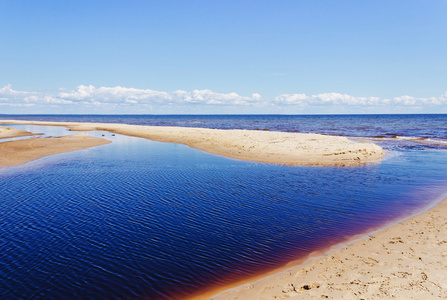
(289, 288)
(307, 287)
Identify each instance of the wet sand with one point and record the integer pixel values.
(252, 145)
(18, 152)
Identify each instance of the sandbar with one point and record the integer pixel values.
(261, 146)
(18, 152)
(8, 132)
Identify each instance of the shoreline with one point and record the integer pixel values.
(401, 259)
(14, 153)
(8, 132)
(260, 146)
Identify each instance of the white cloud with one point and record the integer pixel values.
(88, 99)
(344, 99)
(408, 100)
(292, 99)
(327, 99)
(89, 94)
(12, 97)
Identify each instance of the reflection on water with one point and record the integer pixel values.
(45, 131)
(141, 219)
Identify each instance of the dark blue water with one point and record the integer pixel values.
(139, 219)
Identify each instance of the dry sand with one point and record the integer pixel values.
(260, 146)
(22, 151)
(8, 132)
(404, 261)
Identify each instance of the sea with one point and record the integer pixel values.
(139, 219)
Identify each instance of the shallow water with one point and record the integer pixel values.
(146, 220)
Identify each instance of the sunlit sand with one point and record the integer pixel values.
(261, 146)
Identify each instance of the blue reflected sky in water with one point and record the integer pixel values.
(138, 218)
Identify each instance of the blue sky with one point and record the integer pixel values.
(223, 56)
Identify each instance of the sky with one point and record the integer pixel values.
(223, 57)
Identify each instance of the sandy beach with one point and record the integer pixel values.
(407, 260)
(252, 145)
(18, 152)
(8, 132)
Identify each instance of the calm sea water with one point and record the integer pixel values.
(137, 219)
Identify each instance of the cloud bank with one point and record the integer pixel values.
(343, 99)
(89, 99)
(123, 95)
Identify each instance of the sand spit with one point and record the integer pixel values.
(22, 151)
(252, 145)
(405, 261)
(8, 132)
